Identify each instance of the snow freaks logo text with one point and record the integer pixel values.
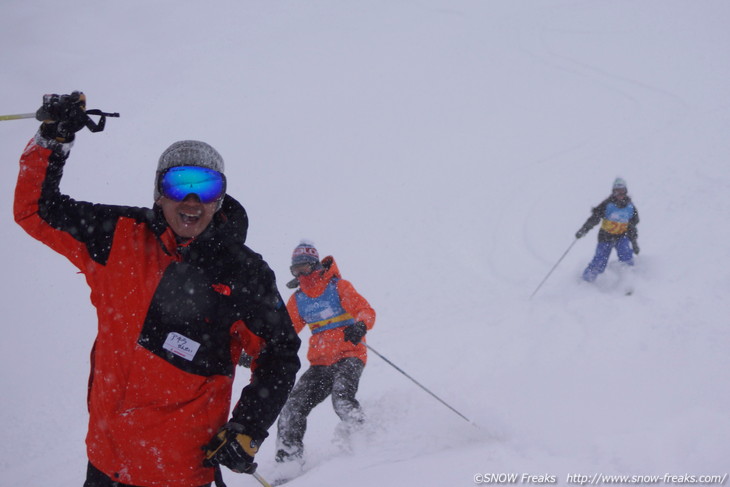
(514, 478)
(600, 479)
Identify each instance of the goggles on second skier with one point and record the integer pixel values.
(178, 182)
(302, 269)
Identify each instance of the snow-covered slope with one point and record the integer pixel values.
(445, 152)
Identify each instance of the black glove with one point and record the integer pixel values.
(635, 246)
(355, 332)
(580, 233)
(62, 116)
(232, 448)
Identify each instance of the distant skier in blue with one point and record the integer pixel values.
(618, 216)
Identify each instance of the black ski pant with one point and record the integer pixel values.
(340, 379)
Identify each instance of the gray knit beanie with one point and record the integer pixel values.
(619, 183)
(188, 153)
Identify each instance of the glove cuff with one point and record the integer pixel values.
(52, 143)
(50, 131)
(235, 427)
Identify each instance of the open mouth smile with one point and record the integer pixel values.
(189, 218)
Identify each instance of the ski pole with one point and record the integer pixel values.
(17, 117)
(418, 383)
(261, 479)
(551, 270)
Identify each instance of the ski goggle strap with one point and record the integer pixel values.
(178, 182)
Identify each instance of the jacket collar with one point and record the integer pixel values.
(229, 225)
(315, 283)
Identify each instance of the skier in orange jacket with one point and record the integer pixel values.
(338, 318)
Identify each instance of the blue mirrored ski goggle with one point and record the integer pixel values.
(178, 182)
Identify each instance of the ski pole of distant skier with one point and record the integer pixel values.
(417, 383)
(551, 270)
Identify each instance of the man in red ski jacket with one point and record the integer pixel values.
(178, 297)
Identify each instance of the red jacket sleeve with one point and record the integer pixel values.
(79, 230)
(31, 191)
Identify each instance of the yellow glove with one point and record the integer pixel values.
(232, 448)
